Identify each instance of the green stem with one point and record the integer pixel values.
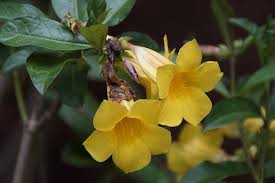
(19, 98)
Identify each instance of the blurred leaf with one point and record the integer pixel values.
(213, 172)
(76, 155)
(95, 68)
(244, 23)
(40, 32)
(17, 59)
(118, 11)
(151, 174)
(221, 88)
(77, 8)
(12, 10)
(270, 168)
(4, 54)
(95, 35)
(263, 75)
(272, 103)
(80, 119)
(222, 12)
(43, 70)
(97, 11)
(72, 82)
(142, 39)
(230, 110)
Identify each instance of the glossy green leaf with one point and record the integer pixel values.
(43, 70)
(77, 8)
(80, 119)
(214, 172)
(17, 59)
(221, 88)
(244, 23)
(75, 155)
(95, 35)
(12, 10)
(263, 75)
(270, 168)
(230, 110)
(118, 11)
(222, 12)
(145, 175)
(97, 11)
(142, 39)
(40, 32)
(72, 83)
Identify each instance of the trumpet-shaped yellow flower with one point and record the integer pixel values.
(181, 86)
(128, 132)
(193, 148)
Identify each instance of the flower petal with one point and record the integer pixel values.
(188, 132)
(100, 145)
(132, 157)
(189, 56)
(108, 115)
(145, 110)
(196, 105)
(171, 112)
(209, 74)
(158, 139)
(165, 75)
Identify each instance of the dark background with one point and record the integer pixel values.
(176, 18)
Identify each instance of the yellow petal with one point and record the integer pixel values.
(253, 125)
(189, 56)
(196, 105)
(171, 112)
(145, 110)
(209, 74)
(272, 126)
(165, 75)
(108, 115)
(158, 139)
(132, 157)
(189, 132)
(99, 145)
(176, 160)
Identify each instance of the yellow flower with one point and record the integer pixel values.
(253, 125)
(129, 133)
(182, 86)
(193, 148)
(272, 125)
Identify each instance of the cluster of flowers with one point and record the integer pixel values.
(130, 131)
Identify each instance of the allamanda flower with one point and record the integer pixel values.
(181, 86)
(194, 147)
(128, 132)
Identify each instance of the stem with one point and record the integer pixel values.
(232, 75)
(249, 160)
(19, 98)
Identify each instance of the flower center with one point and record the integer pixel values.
(127, 130)
(180, 81)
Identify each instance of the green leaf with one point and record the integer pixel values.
(75, 155)
(244, 23)
(80, 119)
(72, 82)
(263, 75)
(97, 11)
(77, 8)
(95, 35)
(145, 175)
(270, 168)
(230, 110)
(40, 32)
(213, 172)
(221, 88)
(17, 59)
(43, 70)
(222, 12)
(142, 40)
(95, 68)
(4, 54)
(11, 10)
(118, 11)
